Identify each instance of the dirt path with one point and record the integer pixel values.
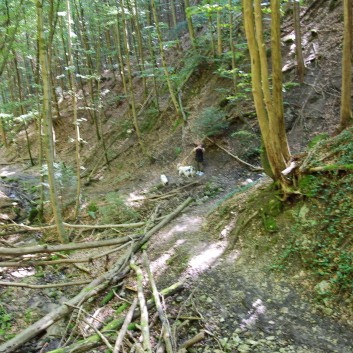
(243, 306)
(246, 307)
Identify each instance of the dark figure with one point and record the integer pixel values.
(199, 150)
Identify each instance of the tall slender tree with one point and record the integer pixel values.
(46, 110)
(74, 107)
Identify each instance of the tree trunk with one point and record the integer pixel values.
(268, 117)
(298, 41)
(232, 46)
(190, 25)
(48, 137)
(346, 111)
(74, 107)
(164, 62)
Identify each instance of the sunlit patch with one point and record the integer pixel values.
(227, 229)
(180, 242)
(258, 308)
(133, 199)
(160, 264)
(23, 272)
(207, 258)
(186, 225)
(6, 173)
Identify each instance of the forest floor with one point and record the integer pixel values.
(230, 292)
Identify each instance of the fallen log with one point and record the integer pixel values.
(117, 272)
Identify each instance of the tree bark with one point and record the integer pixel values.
(298, 41)
(47, 114)
(346, 111)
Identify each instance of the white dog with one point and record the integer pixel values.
(164, 179)
(187, 171)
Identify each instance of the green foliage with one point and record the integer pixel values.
(210, 122)
(212, 189)
(150, 118)
(33, 214)
(317, 139)
(288, 85)
(269, 213)
(92, 209)
(123, 127)
(310, 185)
(243, 91)
(269, 223)
(5, 322)
(249, 142)
(116, 211)
(322, 233)
(177, 150)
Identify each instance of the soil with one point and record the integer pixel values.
(230, 292)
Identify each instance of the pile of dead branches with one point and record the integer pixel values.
(115, 334)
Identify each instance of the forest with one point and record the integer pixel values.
(116, 236)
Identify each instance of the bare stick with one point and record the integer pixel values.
(81, 310)
(167, 336)
(252, 167)
(123, 329)
(199, 337)
(144, 312)
(42, 286)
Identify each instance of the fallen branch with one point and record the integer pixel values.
(110, 329)
(167, 332)
(289, 169)
(89, 324)
(252, 167)
(64, 247)
(128, 319)
(199, 337)
(118, 272)
(77, 226)
(31, 262)
(143, 309)
(43, 286)
(41, 325)
(330, 167)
